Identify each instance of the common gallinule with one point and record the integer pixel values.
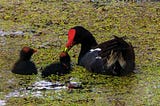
(114, 57)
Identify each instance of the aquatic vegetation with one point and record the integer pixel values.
(45, 24)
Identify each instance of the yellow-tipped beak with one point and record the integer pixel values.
(66, 49)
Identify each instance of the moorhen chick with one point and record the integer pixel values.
(24, 65)
(58, 68)
(113, 57)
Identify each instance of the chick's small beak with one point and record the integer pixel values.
(34, 50)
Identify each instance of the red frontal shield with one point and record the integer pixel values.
(71, 35)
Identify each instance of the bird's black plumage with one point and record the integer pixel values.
(114, 57)
(24, 65)
(58, 68)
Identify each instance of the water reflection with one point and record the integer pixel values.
(24, 93)
(46, 85)
(36, 89)
(11, 33)
(2, 102)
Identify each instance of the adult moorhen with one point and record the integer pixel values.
(24, 66)
(113, 57)
(59, 68)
